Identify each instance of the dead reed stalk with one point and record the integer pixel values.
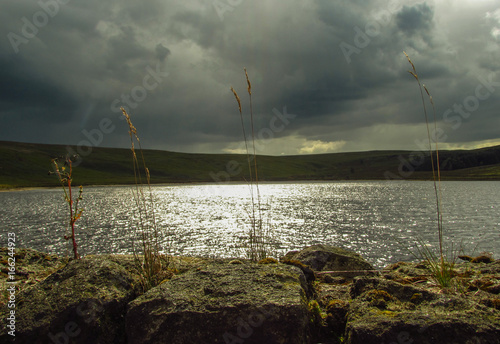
(257, 249)
(435, 168)
(151, 264)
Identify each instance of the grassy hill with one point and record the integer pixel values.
(27, 165)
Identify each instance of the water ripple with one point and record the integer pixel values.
(380, 220)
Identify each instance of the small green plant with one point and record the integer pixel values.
(442, 269)
(64, 174)
(259, 231)
(317, 315)
(152, 265)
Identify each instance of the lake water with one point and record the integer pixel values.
(380, 220)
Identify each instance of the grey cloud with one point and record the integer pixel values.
(162, 52)
(412, 19)
(92, 53)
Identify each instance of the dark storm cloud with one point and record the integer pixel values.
(417, 18)
(171, 64)
(162, 52)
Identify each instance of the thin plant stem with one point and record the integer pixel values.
(438, 190)
(65, 178)
(151, 262)
(250, 184)
(436, 180)
(256, 235)
(71, 219)
(259, 225)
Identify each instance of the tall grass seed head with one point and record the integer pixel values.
(248, 82)
(237, 98)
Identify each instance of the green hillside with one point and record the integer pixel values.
(27, 165)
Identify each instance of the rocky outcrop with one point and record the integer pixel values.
(386, 311)
(100, 300)
(84, 302)
(224, 303)
(404, 305)
(30, 268)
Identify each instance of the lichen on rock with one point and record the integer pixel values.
(254, 303)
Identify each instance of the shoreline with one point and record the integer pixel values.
(300, 181)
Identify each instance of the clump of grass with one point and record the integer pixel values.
(268, 261)
(441, 268)
(64, 173)
(151, 264)
(257, 243)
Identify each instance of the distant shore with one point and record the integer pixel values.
(28, 188)
(27, 165)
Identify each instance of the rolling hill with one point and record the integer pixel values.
(27, 165)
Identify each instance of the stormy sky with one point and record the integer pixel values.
(326, 76)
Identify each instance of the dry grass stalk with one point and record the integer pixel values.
(435, 167)
(151, 263)
(258, 227)
(257, 240)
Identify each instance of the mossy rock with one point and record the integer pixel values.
(384, 311)
(224, 303)
(336, 318)
(387, 290)
(433, 326)
(268, 261)
(31, 267)
(330, 258)
(378, 298)
(84, 302)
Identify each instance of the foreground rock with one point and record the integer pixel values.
(84, 302)
(330, 258)
(404, 305)
(224, 303)
(386, 311)
(31, 267)
(98, 300)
